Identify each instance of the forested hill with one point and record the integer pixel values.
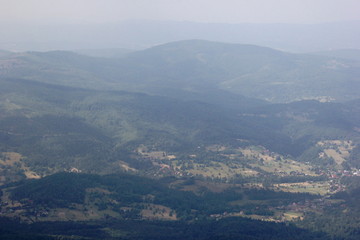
(194, 68)
(57, 127)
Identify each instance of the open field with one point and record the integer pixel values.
(12, 162)
(158, 212)
(321, 188)
(221, 170)
(339, 150)
(289, 216)
(275, 163)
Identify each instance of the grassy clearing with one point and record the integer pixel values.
(158, 212)
(321, 188)
(10, 158)
(126, 167)
(274, 163)
(290, 216)
(285, 167)
(9, 106)
(338, 157)
(199, 186)
(339, 150)
(79, 213)
(13, 160)
(154, 155)
(221, 170)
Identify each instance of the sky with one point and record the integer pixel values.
(212, 11)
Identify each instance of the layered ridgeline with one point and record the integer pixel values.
(194, 69)
(138, 34)
(168, 128)
(351, 54)
(49, 128)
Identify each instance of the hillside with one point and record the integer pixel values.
(115, 202)
(54, 128)
(178, 138)
(193, 69)
(132, 207)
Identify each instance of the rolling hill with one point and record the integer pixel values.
(179, 136)
(57, 128)
(195, 68)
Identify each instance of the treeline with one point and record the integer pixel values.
(338, 222)
(341, 220)
(224, 229)
(65, 189)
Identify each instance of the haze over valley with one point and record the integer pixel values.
(179, 127)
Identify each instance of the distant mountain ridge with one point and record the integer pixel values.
(141, 34)
(351, 54)
(196, 67)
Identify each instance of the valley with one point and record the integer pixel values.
(185, 135)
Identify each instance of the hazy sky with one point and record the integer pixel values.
(229, 11)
